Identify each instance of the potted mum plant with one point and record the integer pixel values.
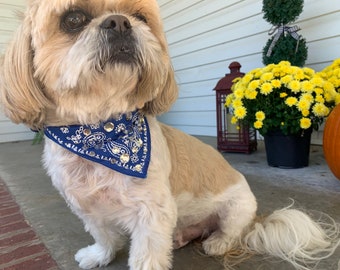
(331, 135)
(284, 103)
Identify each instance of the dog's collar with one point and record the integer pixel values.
(122, 144)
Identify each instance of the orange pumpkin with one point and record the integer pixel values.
(331, 141)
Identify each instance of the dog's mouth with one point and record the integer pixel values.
(121, 51)
(114, 52)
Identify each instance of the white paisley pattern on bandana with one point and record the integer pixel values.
(122, 144)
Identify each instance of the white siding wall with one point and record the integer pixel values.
(205, 36)
(8, 23)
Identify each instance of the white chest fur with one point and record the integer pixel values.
(91, 189)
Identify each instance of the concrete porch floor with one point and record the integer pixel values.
(312, 188)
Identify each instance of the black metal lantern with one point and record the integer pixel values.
(231, 138)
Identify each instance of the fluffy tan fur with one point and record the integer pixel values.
(54, 74)
(186, 176)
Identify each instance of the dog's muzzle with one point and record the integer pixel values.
(119, 43)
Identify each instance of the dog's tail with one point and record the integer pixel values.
(294, 236)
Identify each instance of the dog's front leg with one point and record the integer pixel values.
(108, 241)
(152, 236)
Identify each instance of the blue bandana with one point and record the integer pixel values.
(122, 144)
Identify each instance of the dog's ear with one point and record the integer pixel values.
(21, 95)
(166, 95)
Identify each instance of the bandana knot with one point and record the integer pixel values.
(122, 144)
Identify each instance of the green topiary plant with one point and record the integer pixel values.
(286, 44)
(279, 12)
(286, 48)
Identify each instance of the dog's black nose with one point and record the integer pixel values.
(117, 23)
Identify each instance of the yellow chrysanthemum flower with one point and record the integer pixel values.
(287, 69)
(284, 63)
(318, 90)
(258, 124)
(305, 123)
(308, 97)
(239, 93)
(328, 96)
(319, 99)
(266, 88)
(253, 85)
(283, 95)
(317, 81)
(307, 86)
(305, 113)
(250, 94)
(308, 71)
(267, 76)
(294, 86)
(291, 101)
(335, 81)
(286, 79)
(299, 75)
(228, 100)
(276, 83)
(277, 72)
(328, 87)
(260, 116)
(240, 112)
(237, 102)
(236, 80)
(257, 73)
(303, 104)
(269, 68)
(320, 110)
(247, 78)
(256, 70)
(233, 120)
(337, 99)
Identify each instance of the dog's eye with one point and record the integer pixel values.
(140, 17)
(74, 21)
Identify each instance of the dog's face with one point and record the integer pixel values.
(85, 60)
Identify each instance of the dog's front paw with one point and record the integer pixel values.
(93, 256)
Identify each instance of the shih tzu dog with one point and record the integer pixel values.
(93, 75)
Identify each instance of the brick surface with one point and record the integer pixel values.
(9, 210)
(42, 262)
(20, 252)
(6, 201)
(21, 224)
(20, 247)
(7, 220)
(22, 237)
